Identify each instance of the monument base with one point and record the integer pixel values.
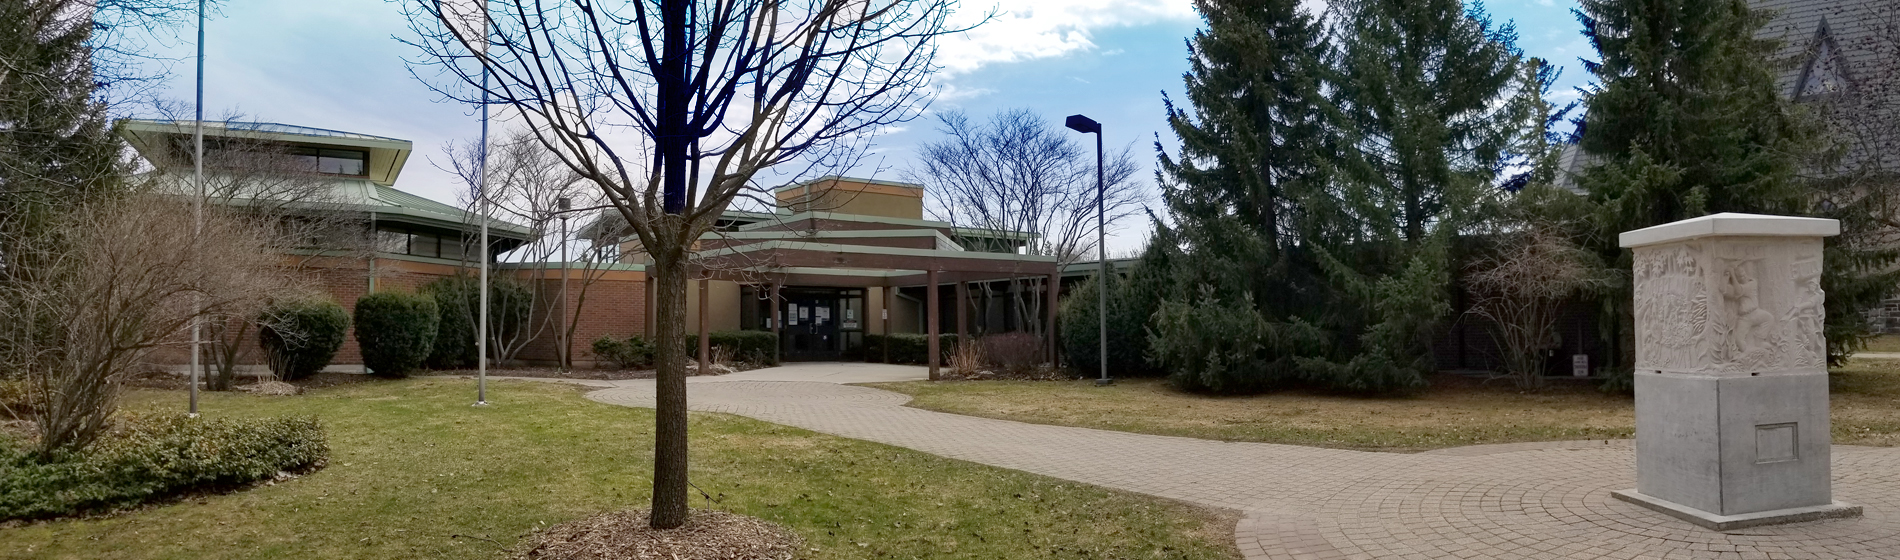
(1706, 520)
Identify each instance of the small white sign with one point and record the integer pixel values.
(824, 314)
(804, 312)
(791, 317)
(884, 314)
(1580, 365)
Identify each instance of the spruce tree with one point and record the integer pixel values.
(1686, 121)
(1255, 148)
(1317, 227)
(57, 148)
(1424, 86)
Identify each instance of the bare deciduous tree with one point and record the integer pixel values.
(673, 108)
(1020, 173)
(527, 185)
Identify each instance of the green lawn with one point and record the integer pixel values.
(416, 472)
(1453, 412)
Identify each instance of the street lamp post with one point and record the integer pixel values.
(560, 333)
(1087, 125)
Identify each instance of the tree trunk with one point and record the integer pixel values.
(669, 436)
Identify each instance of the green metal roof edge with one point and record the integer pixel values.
(876, 250)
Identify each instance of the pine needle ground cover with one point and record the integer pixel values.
(415, 472)
(1453, 412)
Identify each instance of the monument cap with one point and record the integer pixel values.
(1731, 224)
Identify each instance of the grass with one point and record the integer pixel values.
(415, 472)
(1454, 412)
(1884, 343)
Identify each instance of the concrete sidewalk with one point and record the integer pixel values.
(1531, 501)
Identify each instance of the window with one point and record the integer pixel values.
(424, 245)
(353, 163)
(1823, 75)
(395, 242)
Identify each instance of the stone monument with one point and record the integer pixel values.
(1731, 371)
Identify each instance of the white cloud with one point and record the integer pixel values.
(1030, 29)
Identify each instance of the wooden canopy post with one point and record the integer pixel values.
(888, 291)
(963, 313)
(1055, 294)
(705, 341)
(776, 322)
(930, 297)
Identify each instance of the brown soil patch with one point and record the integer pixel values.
(707, 535)
(548, 373)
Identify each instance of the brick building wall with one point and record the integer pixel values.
(603, 302)
(613, 304)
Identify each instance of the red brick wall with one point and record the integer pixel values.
(614, 304)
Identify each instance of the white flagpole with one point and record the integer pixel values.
(197, 202)
(481, 196)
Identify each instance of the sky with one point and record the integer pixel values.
(337, 64)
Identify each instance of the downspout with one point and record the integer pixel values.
(372, 252)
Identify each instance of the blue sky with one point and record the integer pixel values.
(335, 64)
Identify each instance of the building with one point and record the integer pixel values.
(840, 258)
(837, 258)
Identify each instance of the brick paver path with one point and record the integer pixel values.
(1531, 501)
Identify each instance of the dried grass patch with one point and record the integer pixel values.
(707, 535)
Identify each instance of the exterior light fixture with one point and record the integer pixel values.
(1087, 125)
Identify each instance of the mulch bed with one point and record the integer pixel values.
(550, 373)
(167, 381)
(707, 535)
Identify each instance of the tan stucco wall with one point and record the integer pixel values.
(905, 314)
(852, 197)
(724, 306)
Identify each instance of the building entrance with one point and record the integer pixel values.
(821, 323)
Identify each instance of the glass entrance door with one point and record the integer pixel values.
(811, 327)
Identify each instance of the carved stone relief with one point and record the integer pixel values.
(1730, 306)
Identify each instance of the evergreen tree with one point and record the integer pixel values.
(1254, 151)
(1686, 121)
(1424, 86)
(57, 149)
(1317, 227)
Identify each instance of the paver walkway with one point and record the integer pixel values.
(1531, 501)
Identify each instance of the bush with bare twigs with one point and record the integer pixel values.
(123, 278)
(1520, 287)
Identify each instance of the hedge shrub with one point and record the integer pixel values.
(301, 336)
(396, 331)
(758, 347)
(1132, 302)
(632, 352)
(150, 458)
(454, 345)
(456, 300)
(908, 348)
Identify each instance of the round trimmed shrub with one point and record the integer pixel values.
(301, 336)
(396, 331)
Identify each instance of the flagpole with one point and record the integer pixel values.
(481, 197)
(197, 202)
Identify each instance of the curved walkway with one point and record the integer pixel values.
(1533, 501)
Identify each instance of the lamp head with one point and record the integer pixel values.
(1083, 124)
